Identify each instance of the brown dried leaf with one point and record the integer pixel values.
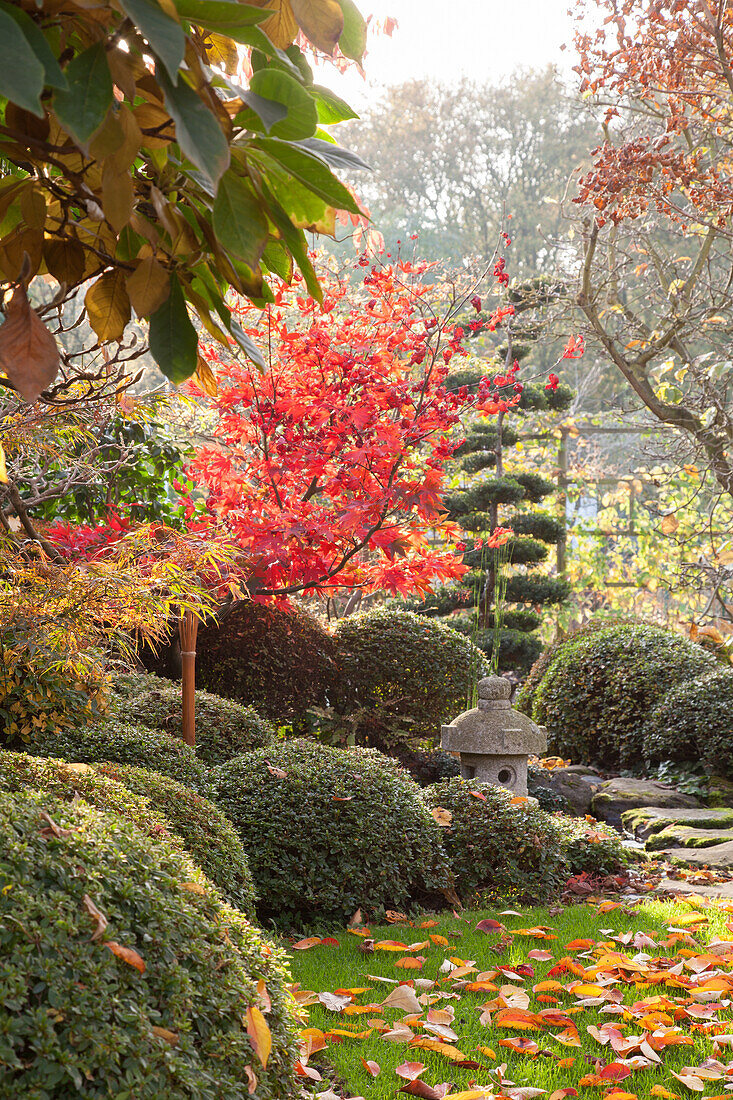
(97, 915)
(28, 352)
(127, 954)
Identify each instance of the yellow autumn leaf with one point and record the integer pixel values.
(259, 1034)
(3, 467)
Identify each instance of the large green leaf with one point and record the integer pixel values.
(278, 260)
(311, 171)
(82, 107)
(37, 41)
(333, 154)
(302, 117)
(296, 243)
(173, 341)
(197, 130)
(239, 222)
(259, 110)
(163, 33)
(223, 16)
(352, 42)
(331, 108)
(21, 73)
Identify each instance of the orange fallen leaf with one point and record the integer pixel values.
(304, 945)
(373, 1068)
(659, 1090)
(410, 963)
(169, 1036)
(520, 1045)
(488, 1052)
(435, 1045)
(127, 954)
(410, 1070)
(259, 1034)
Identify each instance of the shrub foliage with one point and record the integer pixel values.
(280, 660)
(596, 692)
(329, 831)
(408, 673)
(123, 743)
(694, 722)
(208, 836)
(495, 845)
(224, 727)
(132, 978)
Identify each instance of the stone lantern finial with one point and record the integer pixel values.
(493, 740)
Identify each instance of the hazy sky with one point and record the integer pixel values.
(447, 39)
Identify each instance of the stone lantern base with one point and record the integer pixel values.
(508, 771)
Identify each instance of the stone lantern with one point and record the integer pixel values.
(493, 740)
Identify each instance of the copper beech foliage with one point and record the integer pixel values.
(327, 469)
(159, 152)
(658, 206)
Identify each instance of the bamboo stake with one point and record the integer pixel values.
(188, 625)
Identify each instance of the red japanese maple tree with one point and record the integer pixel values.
(327, 468)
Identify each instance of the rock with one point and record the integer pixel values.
(615, 796)
(645, 821)
(683, 836)
(680, 886)
(576, 784)
(721, 855)
(720, 791)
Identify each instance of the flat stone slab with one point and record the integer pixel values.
(720, 855)
(614, 797)
(645, 821)
(679, 886)
(683, 836)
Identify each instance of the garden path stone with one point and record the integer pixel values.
(645, 821)
(683, 836)
(616, 796)
(679, 886)
(720, 855)
(577, 785)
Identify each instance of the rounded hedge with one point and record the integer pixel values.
(123, 743)
(280, 660)
(405, 668)
(341, 830)
(596, 693)
(496, 845)
(224, 728)
(154, 1002)
(208, 836)
(694, 721)
(591, 847)
(123, 683)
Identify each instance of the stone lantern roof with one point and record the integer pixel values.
(494, 740)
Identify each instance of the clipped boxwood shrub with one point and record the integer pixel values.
(224, 728)
(496, 846)
(596, 693)
(407, 669)
(207, 834)
(125, 743)
(592, 848)
(280, 660)
(694, 722)
(123, 683)
(155, 1002)
(341, 830)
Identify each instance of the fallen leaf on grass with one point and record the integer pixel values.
(445, 1049)
(424, 1091)
(333, 1002)
(410, 1070)
(694, 1084)
(403, 997)
(373, 1068)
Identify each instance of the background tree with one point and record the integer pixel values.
(451, 161)
(500, 601)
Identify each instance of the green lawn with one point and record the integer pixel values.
(686, 1009)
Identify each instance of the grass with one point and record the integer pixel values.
(327, 968)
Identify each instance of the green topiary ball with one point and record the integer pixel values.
(123, 743)
(208, 835)
(496, 845)
(156, 804)
(410, 672)
(694, 721)
(597, 693)
(122, 682)
(124, 973)
(592, 848)
(280, 660)
(341, 830)
(224, 728)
